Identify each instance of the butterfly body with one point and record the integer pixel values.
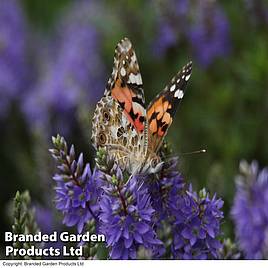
(122, 125)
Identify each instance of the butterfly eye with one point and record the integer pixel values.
(102, 138)
(106, 116)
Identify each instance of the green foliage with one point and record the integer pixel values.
(230, 250)
(94, 250)
(24, 220)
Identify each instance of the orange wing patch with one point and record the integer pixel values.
(159, 117)
(162, 109)
(133, 110)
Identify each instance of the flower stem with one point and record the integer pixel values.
(122, 200)
(91, 212)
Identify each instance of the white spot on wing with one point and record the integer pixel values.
(172, 88)
(179, 94)
(132, 78)
(139, 108)
(138, 78)
(123, 71)
(135, 79)
(187, 77)
(133, 58)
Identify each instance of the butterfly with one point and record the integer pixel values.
(131, 133)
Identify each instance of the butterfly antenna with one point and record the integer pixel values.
(195, 152)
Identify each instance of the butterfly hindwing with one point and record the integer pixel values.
(111, 130)
(162, 109)
(125, 84)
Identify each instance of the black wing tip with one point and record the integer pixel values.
(189, 64)
(125, 39)
(123, 45)
(185, 72)
(188, 67)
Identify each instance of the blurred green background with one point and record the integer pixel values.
(55, 60)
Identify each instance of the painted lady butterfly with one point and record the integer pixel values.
(123, 126)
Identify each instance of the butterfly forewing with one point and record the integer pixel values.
(119, 121)
(125, 84)
(161, 111)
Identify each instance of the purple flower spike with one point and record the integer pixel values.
(249, 210)
(73, 77)
(14, 76)
(77, 188)
(209, 35)
(196, 224)
(127, 221)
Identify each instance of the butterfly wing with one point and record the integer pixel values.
(162, 109)
(125, 84)
(112, 130)
(119, 122)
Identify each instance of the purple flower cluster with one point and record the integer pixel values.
(72, 77)
(171, 25)
(196, 224)
(127, 218)
(77, 187)
(13, 66)
(249, 210)
(202, 23)
(133, 211)
(195, 219)
(161, 189)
